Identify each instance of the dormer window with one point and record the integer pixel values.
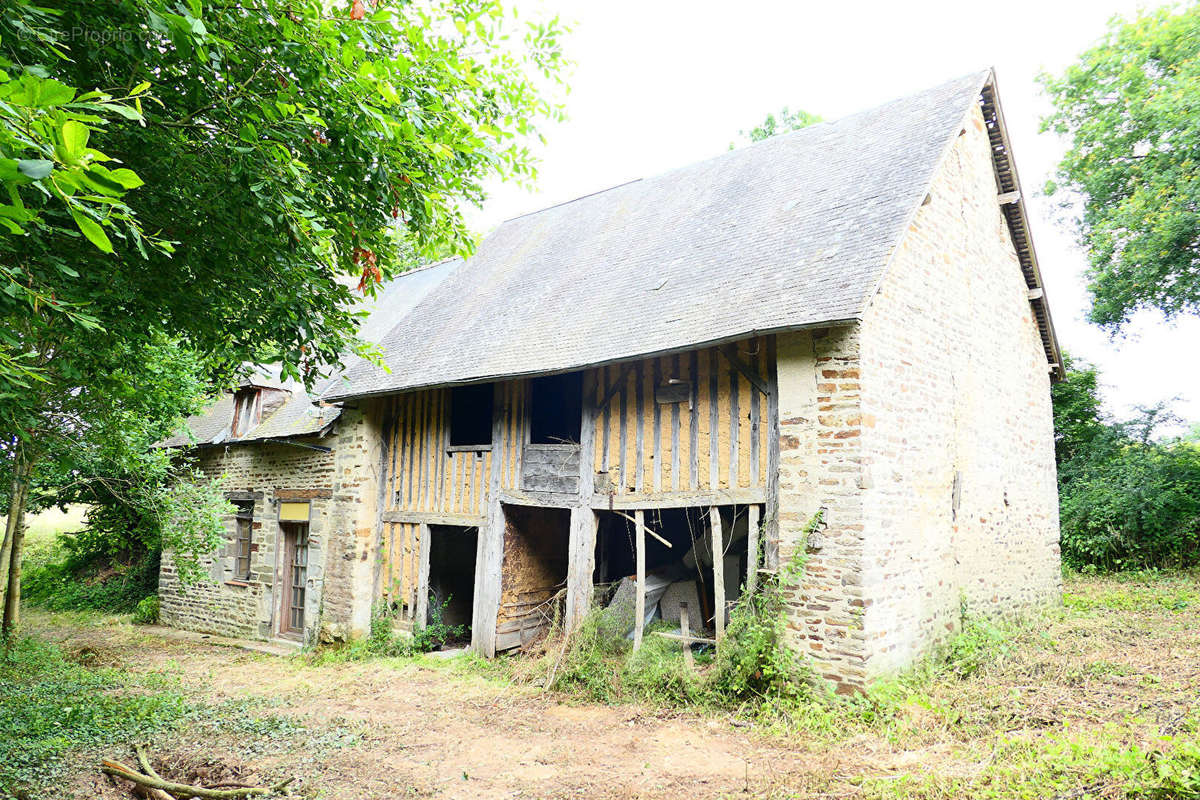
(247, 410)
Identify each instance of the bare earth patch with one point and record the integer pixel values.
(1119, 657)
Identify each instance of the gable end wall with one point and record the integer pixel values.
(960, 498)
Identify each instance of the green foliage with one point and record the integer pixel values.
(286, 149)
(50, 706)
(1126, 500)
(785, 121)
(384, 642)
(755, 663)
(584, 664)
(978, 642)
(191, 513)
(146, 612)
(1128, 109)
(84, 581)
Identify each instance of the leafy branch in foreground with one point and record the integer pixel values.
(1128, 112)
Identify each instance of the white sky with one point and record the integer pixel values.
(662, 83)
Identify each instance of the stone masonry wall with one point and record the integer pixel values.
(340, 488)
(820, 469)
(925, 436)
(962, 500)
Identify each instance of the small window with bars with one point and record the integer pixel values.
(242, 538)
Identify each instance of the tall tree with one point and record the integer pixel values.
(213, 179)
(1132, 172)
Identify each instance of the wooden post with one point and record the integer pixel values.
(718, 555)
(581, 564)
(639, 607)
(685, 629)
(423, 545)
(751, 548)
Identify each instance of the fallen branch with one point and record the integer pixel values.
(149, 792)
(183, 790)
(144, 760)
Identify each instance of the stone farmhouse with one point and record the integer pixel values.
(834, 341)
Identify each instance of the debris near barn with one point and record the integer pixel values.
(148, 783)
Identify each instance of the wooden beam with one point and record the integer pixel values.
(423, 545)
(1036, 293)
(462, 520)
(616, 387)
(722, 497)
(581, 565)
(731, 353)
(751, 548)
(639, 606)
(1009, 198)
(678, 638)
(718, 554)
(771, 508)
(644, 527)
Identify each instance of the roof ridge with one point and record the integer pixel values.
(771, 140)
(575, 199)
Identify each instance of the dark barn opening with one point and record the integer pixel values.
(556, 409)
(471, 415)
(452, 577)
(682, 572)
(533, 576)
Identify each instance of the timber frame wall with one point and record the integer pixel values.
(691, 429)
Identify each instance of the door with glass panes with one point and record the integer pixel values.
(294, 577)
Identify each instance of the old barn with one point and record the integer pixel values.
(652, 391)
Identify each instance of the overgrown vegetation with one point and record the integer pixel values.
(384, 641)
(1095, 699)
(55, 703)
(216, 211)
(1127, 500)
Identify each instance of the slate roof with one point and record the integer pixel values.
(791, 232)
(300, 415)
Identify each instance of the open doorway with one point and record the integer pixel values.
(533, 576)
(679, 565)
(452, 580)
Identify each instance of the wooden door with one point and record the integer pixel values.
(294, 578)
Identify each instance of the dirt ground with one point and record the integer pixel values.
(431, 732)
(388, 729)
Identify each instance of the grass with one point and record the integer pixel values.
(42, 530)
(1098, 698)
(61, 705)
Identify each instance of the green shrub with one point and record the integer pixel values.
(754, 662)
(1135, 507)
(584, 664)
(1128, 500)
(657, 673)
(383, 641)
(146, 612)
(78, 580)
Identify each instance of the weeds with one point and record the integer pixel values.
(384, 641)
(147, 611)
(52, 705)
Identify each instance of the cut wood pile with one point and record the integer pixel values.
(147, 783)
